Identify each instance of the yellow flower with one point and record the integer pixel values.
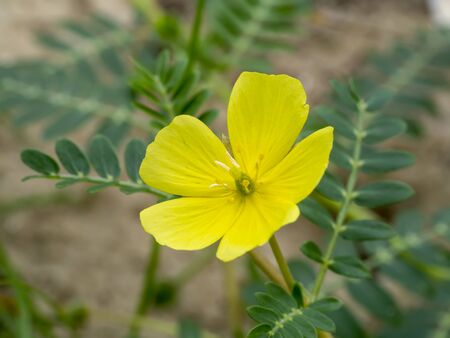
(245, 196)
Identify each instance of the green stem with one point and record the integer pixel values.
(195, 32)
(138, 187)
(284, 268)
(148, 289)
(233, 300)
(268, 269)
(348, 198)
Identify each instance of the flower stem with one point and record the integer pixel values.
(268, 269)
(233, 300)
(148, 289)
(284, 268)
(195, 32)
(348, 198)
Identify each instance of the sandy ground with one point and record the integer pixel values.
(93, 249)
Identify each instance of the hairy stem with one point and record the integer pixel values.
(138, 187)
(268, 269)
(233, 300)
(348, 198)
(284, 268)
(195, 32)
(148, 289)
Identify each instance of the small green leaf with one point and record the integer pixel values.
(330, 188)
(366, 230)
(379, 100)
(297, 294)
(349, 266)
(191, 107)
(71, 157)
(375, 299)
(316, 213)
(266, 300)
(208, 116)
(279, 293)
(382, 193)
(103, 157)
(342, 92)
(262, 314)
(65, 183)
(312, 251)
(327, 304)
(319, 320)
(260, 331)
(384, 128)
(98, 187)
(375, 161)
(304, 326)
(341, 125)
(341, 157)
(134, 154)
(39, 162)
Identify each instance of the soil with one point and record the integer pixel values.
(91, 249)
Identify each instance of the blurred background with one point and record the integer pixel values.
(90, 250)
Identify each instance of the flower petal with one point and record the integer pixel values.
(181, 160)
(258, 220)
(301, 170)
(190, 223)
(265, 115)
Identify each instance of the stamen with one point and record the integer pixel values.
(233, 161)
(222, 165)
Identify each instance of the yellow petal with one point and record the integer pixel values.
(301, 170)
(181, 160)
(265, 115)
(259, 219)
(190, 223)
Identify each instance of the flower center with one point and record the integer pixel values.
(245, 185)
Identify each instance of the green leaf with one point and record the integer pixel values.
(384, 128)
(382, 193)
(319, 320)
(349, 266)
(327, 304)
(375, 161)
(40, 162)
(340, 124)
(330, 188)
(279, 293)
(375, 299)
(66, 182)
(134, 154)
(342, 92)
(346, 324)
(208, 116)
(98, 187)
(103, 157)
(316, 213)
(379, 100)
(266, 300)
(188, 329)
(71, 157)
(262, 314)
(366, 230)
(303, 326)
(297, 294)
(312, 251)
(260, 331)
(341, 157)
